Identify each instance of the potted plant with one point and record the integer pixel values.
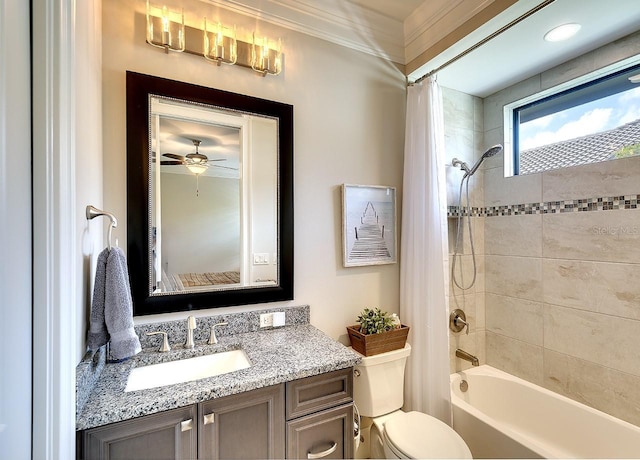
(377, 332)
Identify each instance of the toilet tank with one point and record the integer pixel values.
(378, 383)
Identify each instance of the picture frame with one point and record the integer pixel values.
(369, 229)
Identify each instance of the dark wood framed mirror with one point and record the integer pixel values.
(209, 197)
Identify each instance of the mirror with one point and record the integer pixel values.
(209, 197)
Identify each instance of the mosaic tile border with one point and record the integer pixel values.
(551, 207)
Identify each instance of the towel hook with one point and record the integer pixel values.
(92, 212)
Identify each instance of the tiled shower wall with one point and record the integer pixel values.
(562, 288)
(464, 128)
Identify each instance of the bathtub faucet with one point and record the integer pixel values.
(467, 357)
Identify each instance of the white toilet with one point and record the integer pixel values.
(378, 392)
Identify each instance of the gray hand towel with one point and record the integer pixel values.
(118, 308)
(98, 334)
(112, 310)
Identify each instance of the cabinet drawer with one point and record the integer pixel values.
(319, 392)
(326, 434)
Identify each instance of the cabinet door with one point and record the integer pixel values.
(326, 434)
(247, 425)
(169, 435)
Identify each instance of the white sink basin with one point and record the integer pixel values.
(186, 370)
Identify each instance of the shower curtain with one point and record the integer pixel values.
(424, 272)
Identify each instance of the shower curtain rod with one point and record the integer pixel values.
(506, 27)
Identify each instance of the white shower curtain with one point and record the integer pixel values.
(424, 272)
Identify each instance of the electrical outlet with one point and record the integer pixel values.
(266, 320)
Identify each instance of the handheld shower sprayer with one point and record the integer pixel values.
(468, 172)
(471, 171)
(489, 153)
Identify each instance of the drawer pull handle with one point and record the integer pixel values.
(209, 418)
(324, 453)
(186, 425)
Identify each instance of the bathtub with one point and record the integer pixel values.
(502, 416)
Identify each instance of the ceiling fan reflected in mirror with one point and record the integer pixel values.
(195, 162)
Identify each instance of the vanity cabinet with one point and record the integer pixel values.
(245, 426)
(306, 418)
(320, 416)
(167, 435)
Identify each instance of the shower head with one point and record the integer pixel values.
(492, 151)
(489, 153)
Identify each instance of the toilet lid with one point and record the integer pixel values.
(418, 435)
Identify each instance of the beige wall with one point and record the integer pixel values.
(562, 292)
(349, 110)
(91, 235)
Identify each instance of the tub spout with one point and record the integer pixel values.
(467, 357)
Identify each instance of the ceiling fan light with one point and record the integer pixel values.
(197, 168)
(562, 32)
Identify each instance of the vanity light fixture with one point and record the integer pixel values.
(220, 44)
(562, 32)
(214, 41)
(264, 58)
(165, 28)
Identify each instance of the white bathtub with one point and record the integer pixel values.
(502, 416)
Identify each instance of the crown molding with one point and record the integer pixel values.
(426, 16)
(336, 21)
(435, 20)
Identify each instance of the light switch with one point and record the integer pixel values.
(260, 258)
(278, 318)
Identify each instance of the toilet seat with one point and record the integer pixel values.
(418, 435)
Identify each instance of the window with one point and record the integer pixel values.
(595, 121)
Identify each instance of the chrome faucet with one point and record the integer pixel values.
(467, 357)
(212, 337)
(191, 325)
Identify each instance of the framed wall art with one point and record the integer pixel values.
(368, 225)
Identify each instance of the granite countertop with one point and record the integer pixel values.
(276, 355)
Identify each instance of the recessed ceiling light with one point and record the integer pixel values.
(563, 32)
(635, 78)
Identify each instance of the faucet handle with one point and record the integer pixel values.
(458, 321)
(165, 342)
(191, 322)
(212, 337)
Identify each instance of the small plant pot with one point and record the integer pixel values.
(373, 344)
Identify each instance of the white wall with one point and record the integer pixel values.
(57, 27)
(15, 232)
(200, 233)
(349, 112)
